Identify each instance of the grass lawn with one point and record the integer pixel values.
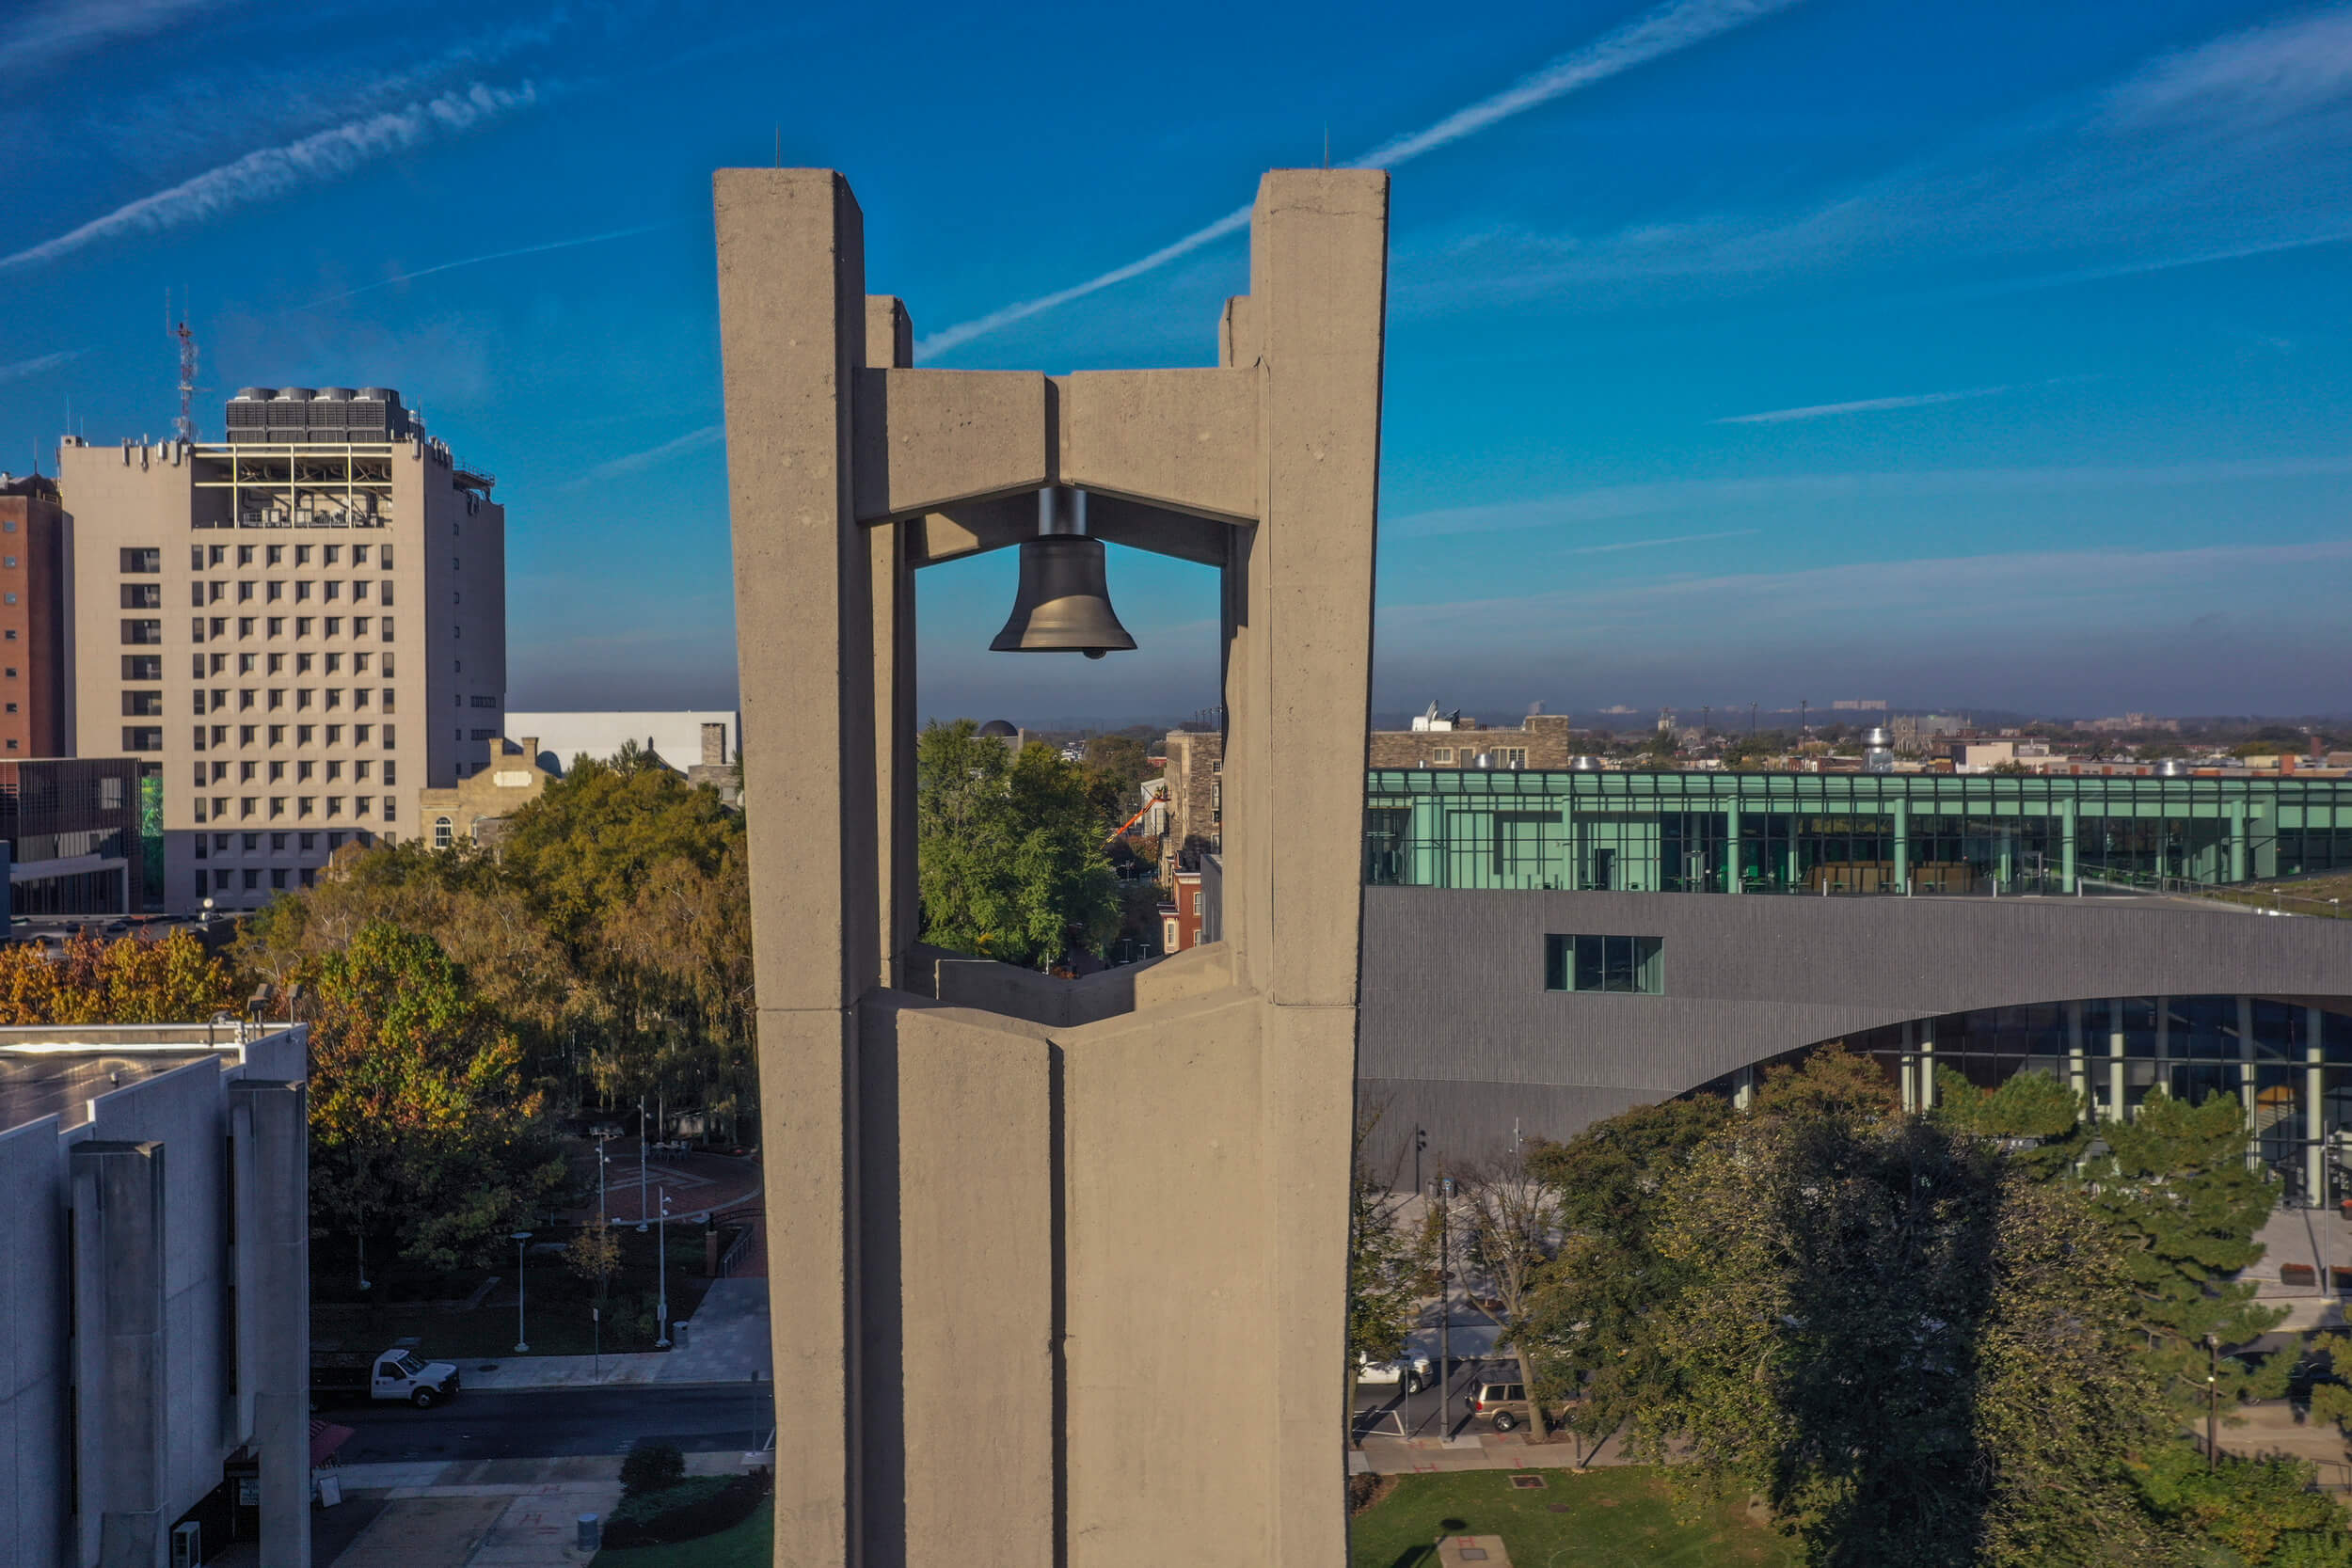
(1609, 1517)
(749, 1544)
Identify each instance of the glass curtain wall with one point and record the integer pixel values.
(2288, 1064)
(1844, 833)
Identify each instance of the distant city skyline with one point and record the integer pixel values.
(1988, 356)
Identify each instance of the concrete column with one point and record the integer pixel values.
(2246, 1077)
(2066, 848)
(1743, 1087)
(2164, 1045)
(1731, 848)
(2116, 1085)
(1792, 861)
(1903, 844)
(793, 329)
(2238, 841)
(1927, 1064)
(1318, 280)
(269, 1133)
(2077, 1073)
(121, 1380)
(1910, 1068)
(2006, 871)
(2314, 1110)
(890, 342)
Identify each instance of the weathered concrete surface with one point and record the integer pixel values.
(1104, 1223)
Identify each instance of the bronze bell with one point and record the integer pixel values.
(1063, 605)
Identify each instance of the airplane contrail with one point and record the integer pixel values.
(1671, 27)
(476, 260)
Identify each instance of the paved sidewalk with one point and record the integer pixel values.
(1391, 1456)
(488, 1513)
(725, 1341)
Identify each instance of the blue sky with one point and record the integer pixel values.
(1740, 350)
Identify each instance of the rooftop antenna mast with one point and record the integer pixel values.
(185, 425)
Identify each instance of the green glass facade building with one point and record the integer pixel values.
(1845, 832)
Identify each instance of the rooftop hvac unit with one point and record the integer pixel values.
(187, 1549)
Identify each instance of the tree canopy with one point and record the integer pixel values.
(1011, 845)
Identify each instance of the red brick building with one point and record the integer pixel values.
(35, 663)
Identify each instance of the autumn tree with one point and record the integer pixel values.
(423, 1130)
(1383, 1281)
(1597, 1312)
(130, 980)
(1510, 1222)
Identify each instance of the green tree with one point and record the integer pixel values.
(423, 1130)
(1011, 849)
(1383, 1284)
(1509, 1221)
(2035, 1118)
(2175, 1190)
(1593, 1318)
(1905, 1343)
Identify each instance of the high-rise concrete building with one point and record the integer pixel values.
(300, 625)
(36, 699)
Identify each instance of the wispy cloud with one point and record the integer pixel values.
(637, 461)
(477, 261)
(2229, 150)
(1654, 543)
(41, 34)
(1667, 30)
(1862, 405)
(1612, 502)
(20, 368)
(272, 171)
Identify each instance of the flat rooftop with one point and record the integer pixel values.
(58, 1071)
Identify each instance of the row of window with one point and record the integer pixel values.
(274, 625)
(301, 806)
(272, 698)
(275, 664)
(226, 881)
(270, 591)
(223, 844)
(1632, 964)
(205, 557)
(304, 771)
(304, 735)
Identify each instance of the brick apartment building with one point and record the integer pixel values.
(34, 694)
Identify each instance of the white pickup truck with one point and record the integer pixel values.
(392, 1374)
(1415, 1372)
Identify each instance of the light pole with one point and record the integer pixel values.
(661, 1273)
(604, 1158)
(522, 1345)
(641, 1164)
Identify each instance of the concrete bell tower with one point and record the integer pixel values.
(1057, 1270)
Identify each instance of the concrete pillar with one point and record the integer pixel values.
(120, 1376)
(1927, 1064)
(793, 314)
(890, 341)
(2314, 1110)
(2067, 819)
(1731, 847)
(2115, 1084)
(1791, 861)
(2238, 872)
(1910, 1068)
(1903, 844)
(2246, 1083)
(269, 1137)
(1743, 1087)
(2077, 1073)
(2164, 1046)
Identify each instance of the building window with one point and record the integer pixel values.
(1441, 757)
(443, 835)
(142, 595)
(142, 737)
(1635, 964)
(136, 633)
(138, 558)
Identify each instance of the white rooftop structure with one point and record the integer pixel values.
(684, 738)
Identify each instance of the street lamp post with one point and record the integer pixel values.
(641, 1164)
(522, 1344)
(604, 1158)
(661, 1273)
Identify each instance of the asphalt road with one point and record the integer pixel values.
(1382, 1409)
(549, 1423)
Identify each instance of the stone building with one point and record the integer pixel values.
(1436, 740)
(476, 808)
(1195, 800)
